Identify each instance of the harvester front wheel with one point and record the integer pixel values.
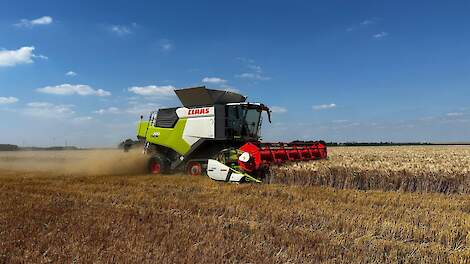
(194, 168)
(157, 165)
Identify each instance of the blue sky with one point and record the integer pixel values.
(83, 71)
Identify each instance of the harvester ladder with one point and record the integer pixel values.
(152, 120)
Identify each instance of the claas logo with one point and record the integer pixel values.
(199, 111)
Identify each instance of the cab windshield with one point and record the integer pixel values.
(242, 122)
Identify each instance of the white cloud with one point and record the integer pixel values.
(367, 22)
(214, 80)
(222, 83)
(380, 35)
(364, 23)
(166, 45)
(45, 20)
(253, 76)
(71, 73)
(255, 73)
(427, 118)
(109, 110)
(324, 106)
(230, 89)
(245, 60)
(81, 119)
(8, 100)
(23, 55)
(142, 109)
(39, 104)
(153, 90)
(40, 56)
(340, 121)
(278, 109)
(120, 30)
(70, 89)
(48, 110)
(455, 114)
(255, 68)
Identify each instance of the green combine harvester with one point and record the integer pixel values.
(216, 133)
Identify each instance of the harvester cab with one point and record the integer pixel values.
(218, 133)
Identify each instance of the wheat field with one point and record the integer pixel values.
(444, 169)
(99, 207)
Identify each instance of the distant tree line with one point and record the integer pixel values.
(50, 148)
(127, 144)
(10, 147)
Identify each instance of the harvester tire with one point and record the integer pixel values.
(194, 168)
(158, 165)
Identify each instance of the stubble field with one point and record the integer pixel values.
(379, 205)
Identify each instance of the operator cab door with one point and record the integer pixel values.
(233, 124)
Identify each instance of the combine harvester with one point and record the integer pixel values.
(216, 132)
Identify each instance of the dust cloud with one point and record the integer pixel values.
(77, 162)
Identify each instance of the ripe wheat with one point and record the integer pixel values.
(421, 169)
